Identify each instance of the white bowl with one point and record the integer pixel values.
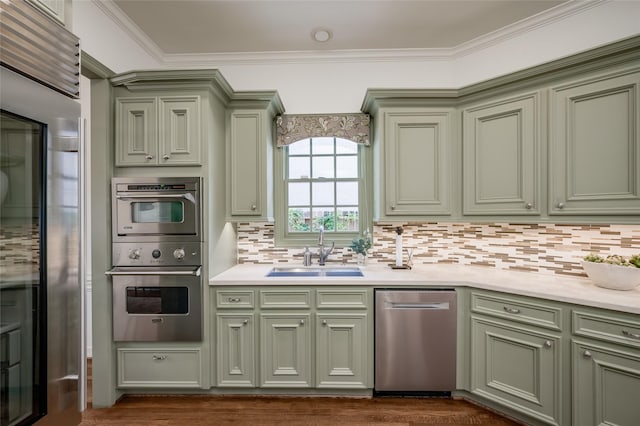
(614, 277)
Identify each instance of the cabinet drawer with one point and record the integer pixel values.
(285, 298)
(541, 314)
(342, 298)
(234, 299)
(623, 329)
(164, 368)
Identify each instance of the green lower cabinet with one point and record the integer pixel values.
(235, 364)
(606, 385)
(518, 367)
(341, 351)
(285, 350)
(159, 368)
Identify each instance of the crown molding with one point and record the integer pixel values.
(557, 13)
(118, 17)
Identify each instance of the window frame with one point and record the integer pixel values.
(284, 238)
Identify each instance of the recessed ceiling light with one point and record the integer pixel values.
(321, 35)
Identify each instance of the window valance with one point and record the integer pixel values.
(294, 127)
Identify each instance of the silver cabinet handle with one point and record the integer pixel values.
(528, 206)
(253, 207)
(548, 344)
(511, 310)
(149, 157)
(159, 357)
(302, 322)
(586, 354)
(245, 322)
(560, 206)
(165, 157)
(234, 299)
(630, 334)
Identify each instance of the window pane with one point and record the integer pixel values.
(322, 146)
(299, 220)
(347, 167)
(348, 219)
(345, 146)
(300, 147)
(323, 217)
(299, 193)
(299, 168)
(323, 167)
(347, 193)
(322, 193)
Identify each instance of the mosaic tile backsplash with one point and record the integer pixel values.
(544, 248)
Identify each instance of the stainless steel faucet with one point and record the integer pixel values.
(323, 253)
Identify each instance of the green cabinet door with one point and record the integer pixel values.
(606, 385)
(285, 350)
(417, 162)
(517, 367)
(501, 157)
(342, 350)
(136, 131)
(179, 135)
(247, 163)
(236, 350)
(594, 147)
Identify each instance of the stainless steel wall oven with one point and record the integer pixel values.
(157, 259)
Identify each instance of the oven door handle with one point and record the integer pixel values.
(186, 196)
(193, 272)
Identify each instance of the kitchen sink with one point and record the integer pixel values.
(315, 272)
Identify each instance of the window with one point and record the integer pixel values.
(323, 185)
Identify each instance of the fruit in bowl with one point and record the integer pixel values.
(613, 272)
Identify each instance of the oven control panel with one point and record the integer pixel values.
(157, 254)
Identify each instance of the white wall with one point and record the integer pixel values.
(313, 86)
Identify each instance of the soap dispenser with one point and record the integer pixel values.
(307, 257)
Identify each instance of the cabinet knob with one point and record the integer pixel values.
(165, 157)
(631, 335)
(253, 207)
(324, 322)
(548, 344)
(393, 207)
(560, 206)
(528, 206)
(159, 357)
(234, 299)
(302, 322)
(245, 322)
(586, 354)
(511, 310)
(149, 157)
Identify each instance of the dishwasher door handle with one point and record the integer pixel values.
(426, 306)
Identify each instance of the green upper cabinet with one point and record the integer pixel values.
(595, 146)
(501, 157)
(53, 8)
(417, 162)
(250, 139)
(250, 151)
(158, 131)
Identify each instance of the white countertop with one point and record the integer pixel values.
(563, 289)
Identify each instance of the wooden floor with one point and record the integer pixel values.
(199, 410)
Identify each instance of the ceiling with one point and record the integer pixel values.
(220, 27)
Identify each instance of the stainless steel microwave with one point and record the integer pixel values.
(156, 209)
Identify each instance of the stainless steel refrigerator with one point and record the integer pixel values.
(41, 298)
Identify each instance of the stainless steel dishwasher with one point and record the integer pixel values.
(415, 341)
